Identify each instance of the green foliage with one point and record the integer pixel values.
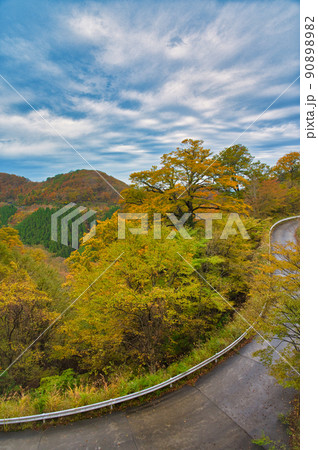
(149, 315)
(272, 445)
(24, 314)
(35, 229)
(108, 214)
(58, 393)
(46, 277)
(240, 162)
(6, 212)
(277, 283)
(66, 380)
(155, 309)
(227, 263)
(30, 294)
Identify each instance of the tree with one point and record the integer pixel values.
(10, 237)
(275, 192)
(30, 294)
(6, 260)
(149, 307)
(190, 180)
(35, 229)
(238, 158)
(229, 263)
(24, 314)
(241, 163)
(277, 284)
(268, 198)
(287, 169)
(6, 212)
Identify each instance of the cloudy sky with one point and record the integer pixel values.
(124, 82)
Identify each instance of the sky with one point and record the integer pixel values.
(115, 84)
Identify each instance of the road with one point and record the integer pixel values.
(224, 409)
(285, 232)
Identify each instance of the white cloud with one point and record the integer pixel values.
(17, 148)
(135, 81)
(272, 114)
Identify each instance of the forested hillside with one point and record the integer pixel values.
(35, 229)
(28, 205)
(142, 307)
(80, 185)
(6, 212)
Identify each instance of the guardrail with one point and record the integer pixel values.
(114, 401)
(125, 398)
(277, 223)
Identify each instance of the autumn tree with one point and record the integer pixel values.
(277, 285)
(275, 192)
(24, 314)
(149, 307)
(30, 294)
(228, 263)
(189, 180)
(10, 237)
(287, 169)
(268, 198)
(6, 260)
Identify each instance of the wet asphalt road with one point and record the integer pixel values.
(225, 409)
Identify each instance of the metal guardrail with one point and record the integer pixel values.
(277, 223)
(124, 398)
(283, 220)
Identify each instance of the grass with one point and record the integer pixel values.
(57, 398)
(293, 423)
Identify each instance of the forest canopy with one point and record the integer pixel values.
(139, 305)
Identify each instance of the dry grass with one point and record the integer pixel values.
(35, 402)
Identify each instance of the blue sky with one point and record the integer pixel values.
(125, 82)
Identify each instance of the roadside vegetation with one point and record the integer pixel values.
(278, 284)
(150, 316)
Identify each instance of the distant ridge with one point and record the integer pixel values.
(76, 186)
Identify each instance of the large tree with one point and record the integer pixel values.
(240, 164)
(189, 180)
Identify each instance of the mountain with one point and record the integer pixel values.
(77, 186)
(11, 186)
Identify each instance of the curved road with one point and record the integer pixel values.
(224, 409)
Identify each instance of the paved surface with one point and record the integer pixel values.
(225, 409)
(285, 232)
